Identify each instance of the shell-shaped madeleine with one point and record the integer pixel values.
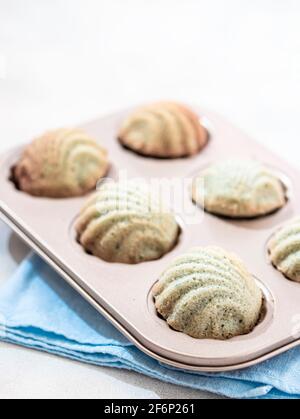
(239, 189)
(62, 163)
(284, 250)
(166, 130)
(208, 293)
(123, 223)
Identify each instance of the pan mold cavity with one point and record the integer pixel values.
(208, 294)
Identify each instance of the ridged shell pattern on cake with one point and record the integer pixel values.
(208, 293)
(62, 163)
(239, 189)
(123, 223)
(284, 249)
(165, 129)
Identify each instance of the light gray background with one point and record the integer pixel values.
(67, 61)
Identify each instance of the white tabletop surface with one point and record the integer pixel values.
(64, 62)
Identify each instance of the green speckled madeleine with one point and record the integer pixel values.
(164, 129)
(239, 189)
(208, 293)
(284, 250)
(61, 164)
(123, 223)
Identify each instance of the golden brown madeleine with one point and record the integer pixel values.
(208, 293)
(239, 189)
(60, 164)
(284, 250)
(123, 223)
(165, 130)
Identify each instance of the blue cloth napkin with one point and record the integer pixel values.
(39, 310)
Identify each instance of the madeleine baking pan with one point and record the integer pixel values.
(122, 293)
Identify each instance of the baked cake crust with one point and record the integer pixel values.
(122, 223)
(60, 164)
(284, 250)
(239, 189)
(165, 130)
(208, 293)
